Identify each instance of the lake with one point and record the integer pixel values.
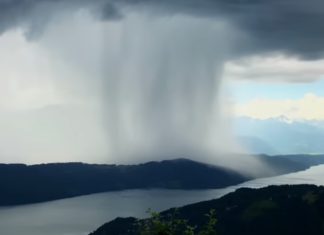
(81, 215)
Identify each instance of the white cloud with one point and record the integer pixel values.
(35, 74)
(275, 68)
(26, 73)
(309, 107)
(52, 134)
(45, 115)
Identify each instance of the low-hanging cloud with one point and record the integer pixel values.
(287, 69)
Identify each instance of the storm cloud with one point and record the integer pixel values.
(151, 71)
(287, 26)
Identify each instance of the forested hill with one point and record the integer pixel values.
(21, 184)
(274, 210)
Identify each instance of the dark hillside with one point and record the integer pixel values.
(21, 184)
(275, 210)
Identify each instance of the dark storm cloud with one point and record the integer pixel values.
(108, 11)
(292, 26)
(33, 15)
(30, 14)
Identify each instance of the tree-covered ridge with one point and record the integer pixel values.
(21, 184)
(170, 224)
(274, 210)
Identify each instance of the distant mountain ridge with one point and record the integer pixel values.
(280, 135)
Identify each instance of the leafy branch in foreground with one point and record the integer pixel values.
(171, 225)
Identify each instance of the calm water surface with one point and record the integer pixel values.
(81, 215)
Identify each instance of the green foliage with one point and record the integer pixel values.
(259, 209)
(209, 228)
(171, 225)
(311, 198)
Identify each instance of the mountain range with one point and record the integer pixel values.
(280, 135)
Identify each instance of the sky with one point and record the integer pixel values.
(295, 91)
(100, 80)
